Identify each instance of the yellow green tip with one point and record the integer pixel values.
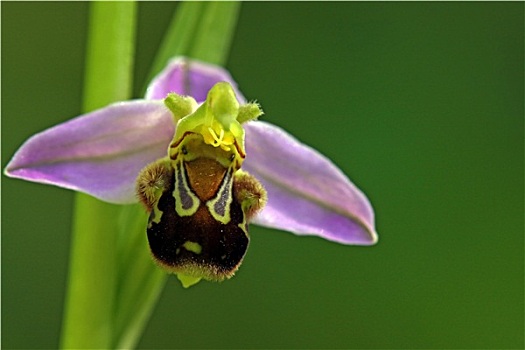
(188, 281)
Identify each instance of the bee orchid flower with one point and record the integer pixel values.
(103, 152)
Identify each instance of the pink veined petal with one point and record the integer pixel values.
(189, 77)
(307, 193)
(100, 153)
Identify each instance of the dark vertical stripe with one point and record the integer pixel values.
(224, 194)
(186, 200)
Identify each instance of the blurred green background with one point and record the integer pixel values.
(421, 104)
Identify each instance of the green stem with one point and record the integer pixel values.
(89, 306)
(88, 319)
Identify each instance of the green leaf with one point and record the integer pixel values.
(213, 38)
(140, 281)
(176, 41)
(89, 307)
(201, 30)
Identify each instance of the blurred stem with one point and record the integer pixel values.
(201, 30)
(214, 36)
(176, 41)
(89, 307)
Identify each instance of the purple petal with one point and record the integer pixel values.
(189, 77)
(100, 153)
(307, 193)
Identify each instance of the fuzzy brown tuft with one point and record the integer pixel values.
(248, 191)
(151, 182)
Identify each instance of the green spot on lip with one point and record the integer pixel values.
(192, 247)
